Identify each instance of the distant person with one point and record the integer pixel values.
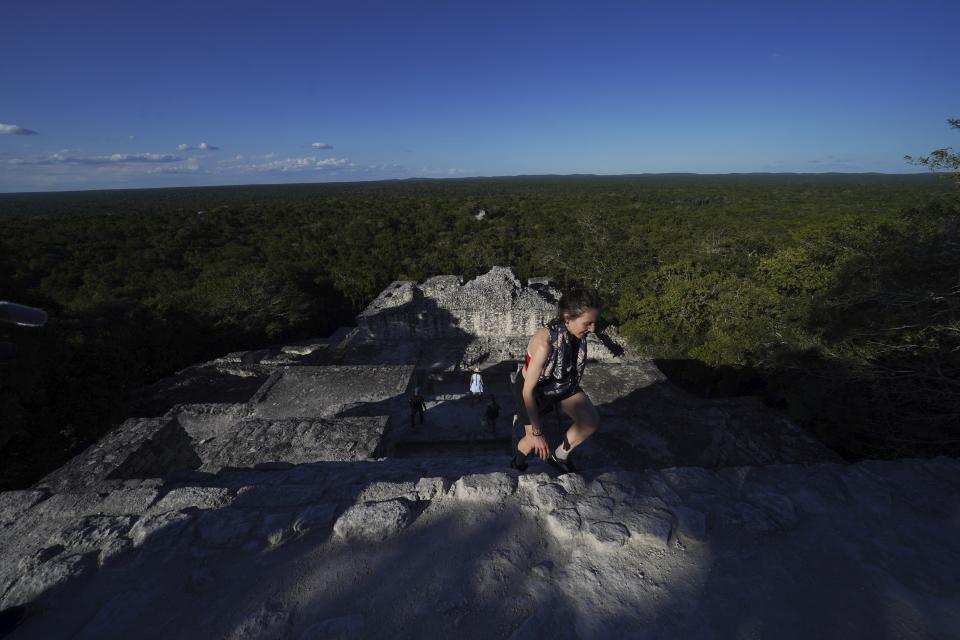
(476, 384)
(417, 406)
(491, 414)
(555, 360)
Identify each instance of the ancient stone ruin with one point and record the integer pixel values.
(284, 493)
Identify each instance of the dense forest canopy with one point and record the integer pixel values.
(835, 297)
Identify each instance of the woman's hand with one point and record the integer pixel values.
(541, 447)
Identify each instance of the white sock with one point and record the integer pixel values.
(561, 453)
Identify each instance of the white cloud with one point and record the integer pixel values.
(192, 165)
(14, 130)
(203, 146)
(321, 145)
(297, 164)
(115, 158)
(333, 162)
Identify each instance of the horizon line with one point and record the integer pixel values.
(497, 177)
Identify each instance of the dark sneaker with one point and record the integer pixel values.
(519, 466)
(563, 466)
(519, 463)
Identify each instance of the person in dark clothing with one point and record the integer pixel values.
(492, 413)
(417, 406)
(555, 360)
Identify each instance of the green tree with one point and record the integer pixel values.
(941, 159)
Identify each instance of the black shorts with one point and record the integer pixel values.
(544, 405)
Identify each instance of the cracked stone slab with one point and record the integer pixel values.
(651, 528)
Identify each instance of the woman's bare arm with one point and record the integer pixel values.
(539, 349)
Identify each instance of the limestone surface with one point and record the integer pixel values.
(308, 506)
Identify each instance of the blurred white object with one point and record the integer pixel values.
(21, 314)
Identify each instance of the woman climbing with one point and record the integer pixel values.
(555, 360)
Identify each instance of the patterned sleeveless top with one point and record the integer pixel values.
(568, 355)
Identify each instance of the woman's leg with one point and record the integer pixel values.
(585, 418)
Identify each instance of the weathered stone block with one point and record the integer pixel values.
(199, 497)
(160, 530)
(315, 517)
(594, 507)
(647, 527)
(491, 487)
(378, 491)
(430, 488)
(128, 501)
(373, 520)
(529, 481)
(572, 483)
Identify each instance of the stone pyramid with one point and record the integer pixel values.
(284, 493)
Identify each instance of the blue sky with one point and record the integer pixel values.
(140, 94)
